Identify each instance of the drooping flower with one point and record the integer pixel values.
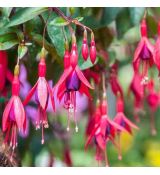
(14, 118)
(115, 86)
(42, 92)
(93, 53)
(123, 121)
(4, 71)
(157, 50)
(85, 50)
(138, 92)
(153, 102)
(71, 81)
(104, 130)
(144, 54)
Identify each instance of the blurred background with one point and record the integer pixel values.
(117, 32)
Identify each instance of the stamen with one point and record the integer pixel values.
(42, 140)
(106, 158)
(68, 122)
(119, 147)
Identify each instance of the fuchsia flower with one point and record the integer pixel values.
(116, 88)
(42, 93)
(157, 50)
(71, 81)
(123, 121)
(104, 130)
(138, 91)
(153, 102)
(4, 71)
(144, 54)
(93, 50)
(85, 50)
(14, 118)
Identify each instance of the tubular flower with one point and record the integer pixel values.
(157, 50)
(14, 118)
(122, 120)
(104, 130)
(144, 54)
(138, 91)
(93, 50)
(85, 51)
(71, 81)
(4, 71)
(42, 93)
(116, 88)
(153, 102)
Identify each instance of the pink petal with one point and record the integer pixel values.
(101, 142)
(82, 77)
(84, 89)
(30, 94)
(51, 96)
(91, 136)
(129, 122)
(64, 76)
(42, 92)
(6, 114)
(157, 53)
(19, 112)
(136, 59)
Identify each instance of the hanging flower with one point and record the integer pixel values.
(138, 92)
(104, 130)
(153, 102)
(157, 50)
(144, 54)
(71, 81)
(42, 93)
(85, 51)
(4, 71)
(123, 121)
(116, 88)
(14, 118)
(93, 49)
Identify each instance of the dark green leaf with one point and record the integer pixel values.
(136, 13)
(110, 14)
(7, 41)
(25, 14)
(123, 22)
(6, 11)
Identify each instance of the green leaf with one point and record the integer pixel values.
(87, 64)
(110, 14)
(79, 18)
(6, 11)
(136, 13)
(25, 14)
(7, 41)
(59, 21)
(123, 22)
(22, 50)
